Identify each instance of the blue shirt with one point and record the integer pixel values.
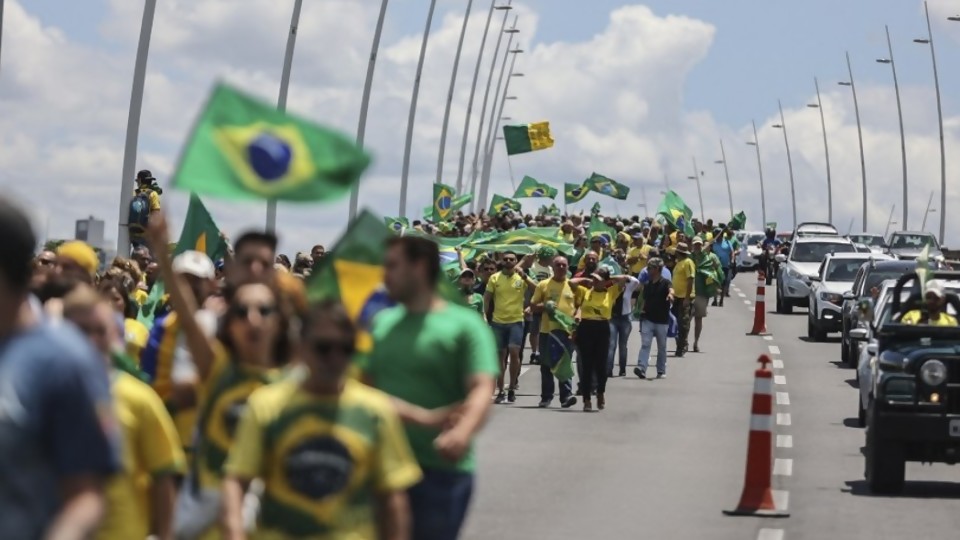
(644, 276)
(56, 421)
(723, 249)
(768, 242)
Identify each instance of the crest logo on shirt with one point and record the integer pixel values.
(318, 468)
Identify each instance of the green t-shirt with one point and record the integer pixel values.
(475, 302)
(425, 360)
(705, 282)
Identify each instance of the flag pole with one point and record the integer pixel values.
(282, 98)
(513, 181)
(133, 125)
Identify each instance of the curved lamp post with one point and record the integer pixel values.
(863, 163)
(726, 172)
(826, 150)
(763, 199)
(453, 85)
(903, 140)
(793, 194)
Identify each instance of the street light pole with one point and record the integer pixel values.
(133, 126)
(943, 154)
(890, 221)
(696, 176)
(494, 128)
(927, 212)
(495, 118)
(826, 150)
(453, 84)
(726, 172)
(863, 161)
(903, 140)
(365, 101)
(405, 172)
(793, 194)
(763, 198)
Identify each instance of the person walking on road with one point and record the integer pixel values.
(621, 324)
(435, 359)
(561, 291)
(506, 292)
(654, 319)
(593, 334)
(723, 247)
(682, 280)
(706, 282)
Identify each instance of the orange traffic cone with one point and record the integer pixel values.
(760, 307)
(757, 497)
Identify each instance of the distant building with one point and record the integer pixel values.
(90, 230)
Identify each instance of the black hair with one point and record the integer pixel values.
(256, 237)
(283, 348)
(417, 249)
(329, 312)
(16, 249)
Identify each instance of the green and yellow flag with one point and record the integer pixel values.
(457, 203)
(442, 202)
(531, 188)
(573, 193)
(605, 186)
(738, 222)
(527, 138)
(500, 204)
(676, 212)
(397, 224)
(244, 148)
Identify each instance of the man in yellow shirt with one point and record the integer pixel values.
(506, 292)
(683, 276)
(935, 297)
(638, 254)
(560, 290)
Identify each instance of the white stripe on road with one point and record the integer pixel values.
(741, 295)
(784, 441)
(781, 499)
(780, 380)
(768, 338)
(747, 302)
(783, 419)
(778, 364)
(770, 534)
(774, 350)
(783, 467)
(783, 398)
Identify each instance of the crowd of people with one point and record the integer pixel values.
(243, 409)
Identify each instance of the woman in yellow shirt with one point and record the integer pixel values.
(598, 295)
(135, 334)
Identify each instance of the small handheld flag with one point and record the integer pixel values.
(442, 202)
(527, 138)
(605, 186)
(573, 193)
(532, 188)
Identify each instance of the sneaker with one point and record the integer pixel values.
(587, 406)
(639, 373)
(534, 359)
(544, 404)
(569, 402)
(714, 304)
(696, 347)
(512, 395)
(661, 375)
(679, 353)
(601, 402)
(500, 398)
(623, 372)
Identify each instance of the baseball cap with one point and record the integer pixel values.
(194, 263)
(655, 262)
(80, 253)
(636, 235)
(468, 272)
(935, 287)
(145, 175)
(697, 240)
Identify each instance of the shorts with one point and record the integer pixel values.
(700, 306)
(509, 336)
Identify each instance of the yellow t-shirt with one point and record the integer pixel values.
(598, 305)
(140, 296)
(561, 294)
(508, 295)
(682, 272)
(150, 447)
(913, 317)
(322, 459)
(135, 335)
(643, 254)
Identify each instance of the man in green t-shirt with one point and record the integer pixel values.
(707, 281)
(439, 362)
(467, 283)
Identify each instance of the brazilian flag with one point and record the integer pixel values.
(595, 210)
(573, 193)
(738, 222)
(500, 204)
(675, 211)
(397, 224)
(244, 148)
(531, 188)
(605, 186)
(442, 202)
(457, 203)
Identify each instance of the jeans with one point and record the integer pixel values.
(727, 278)
(648, 331)
(508, 335)
(620, 328)
(546, 376)
(438, 504)
(593, 342)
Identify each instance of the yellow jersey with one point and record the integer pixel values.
(642, 253)
(914, 317)
(682, 273)
(323, 460)
(558, 292)
(598, 305)
(508, 294)
(150, 447)
(135, 335)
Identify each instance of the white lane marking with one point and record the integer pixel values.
(783, 419)
(768, 338)
(783, 467)
(781, 499)
(780, 379)
(774, 350)
(784, 441)
(778, 364)
(741, 295)
(770, 534)
(783, 398)
(747, 302)
(524, 370)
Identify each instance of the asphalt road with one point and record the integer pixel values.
(667, 456)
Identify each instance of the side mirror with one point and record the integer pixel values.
(858, 334)
(872, 349)
(849, 296)
(814, 278)
(780, 258)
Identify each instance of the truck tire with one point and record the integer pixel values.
(885, 465)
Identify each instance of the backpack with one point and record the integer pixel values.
(138, 214)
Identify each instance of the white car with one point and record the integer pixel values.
(798, 267)
(749, 257)
(813, 228)
(833, 280)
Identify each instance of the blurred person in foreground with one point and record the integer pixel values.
(344, 464)
(58, 435)
(435, 358)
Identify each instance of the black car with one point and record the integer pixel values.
(869, 277)
(914, 408)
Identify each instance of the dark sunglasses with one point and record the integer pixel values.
(243, 312)
(326, 348)
(46, 262)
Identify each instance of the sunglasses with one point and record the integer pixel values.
(326, 348)
(46, 262)
(243, 312)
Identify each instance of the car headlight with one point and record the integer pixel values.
(791, 273)
(933, 372)
(833, 298)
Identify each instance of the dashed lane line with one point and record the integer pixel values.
(783, 398)
(783, 419)
(774, 350)
(780, 380)
(768, 338)
(784, 441)
(770, 534)
(778, 364)
(783, 467)
(781, 499)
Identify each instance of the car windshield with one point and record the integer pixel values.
(885, 306)
(867, 240)
(755, 239)
(814, 252)
(844, 269)
(876, 278)
(912, 241)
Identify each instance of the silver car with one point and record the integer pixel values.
(801, 264)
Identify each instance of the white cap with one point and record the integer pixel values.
(935, 286)
(194, 263)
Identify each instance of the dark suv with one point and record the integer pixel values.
(914, 410)
(870, 276)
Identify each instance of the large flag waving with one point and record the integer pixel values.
(573, 193)
(501, 204)
(442, 202)
(676, 212)
(244, 148)
(531, 187)
(738, 222)
(527, 138)
(605, 186)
